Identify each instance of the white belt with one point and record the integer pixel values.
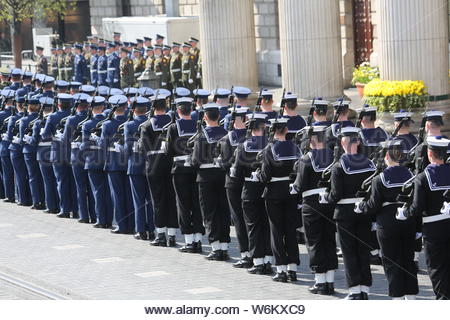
(276, 179)
(111, 69)
(16, 140)
(137, 74)
(45, 144)
(62, 69)
(102, 71)
(68, 69)
(250, 179)
(93, 71)
(94, 148)
(176, 70)
(75, 145)
(350, 200)
(181, 158)
(186, 71)
(313, 192)
(155, 152)
(208, 166)
(435, 218)
(112, 149)
(158, 73)
(385, 204)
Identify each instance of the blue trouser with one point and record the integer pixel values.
(121, 198)
(21, 177)
(142, 201)
(2, 189)
(50, 187)
(99, 185)
(34, 178)
(8, 177)
(66, 187)
(85, 198)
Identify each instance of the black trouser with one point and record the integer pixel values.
(188, 207)
(237, 214)
(163, 198)
(320, 235)
(283, 223)
(354, 233)
(214, 206)
(257, 221)
(397, 249)
(436, 239)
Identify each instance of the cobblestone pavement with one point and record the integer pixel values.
(81, 262)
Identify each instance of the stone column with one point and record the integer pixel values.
(310, 41)
(227, 40)
(414, 43)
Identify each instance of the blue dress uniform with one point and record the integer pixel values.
(116, 168)
(80, 69)
(59, 157)
(199, 94)
(77, 159)
(7, 169)
(17, 160)
(43, 147)
(29, 154)
(239, 92)
(102, 69)
(94, 164)
(113, 74)
(94, 68)
(140, 189)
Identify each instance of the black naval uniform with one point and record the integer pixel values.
(429, 188)
(253, 204)
(318, 222)
(333, 132)
(184, 180)
(212, 196)
(396, 237)
(234, 184)
(347, 176)
(158, 168)
(278, 162)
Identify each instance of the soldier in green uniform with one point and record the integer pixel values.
(42, 63)
(175, 66)
(161, 68)
(138, 63)
(61, 63)
(87, 56)
(150, 60)
(188, 67)
(5, 74)
(68, 63)
(54, 63)
(126, 69)
(195, 51)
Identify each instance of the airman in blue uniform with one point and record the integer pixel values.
(15, 152)
(102, 66)
(77, 160)
(113, 67)
(241, 94)
(7, 169)
(59, 157)
(94, 65)
(16, 82)
(140, 189)
(79, 65)
(29, 154)
(200, 98)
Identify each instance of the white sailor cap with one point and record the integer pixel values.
(438, 142)
(118, 100)
(183, 100)
(202, 93)
(279, 122)
(160, 96)
(433, 114)
(182, 92)
(266, 93)
(211, 106)
(290, 96)
(315, 129)
(350, 131)
(222, 93)
(164, 92)
(402, 115)
(345, 104)
(241, 92)
(320, 102)
(367, 109)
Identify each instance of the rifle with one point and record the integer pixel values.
(366, 186)
(411, 157)
(78, 131)
(311, 113)
(259, 101)
(233, 117)
(215, 95)
(325, 180)
(231, 98)
(191, 141)
(151, 113)
(300, 138)
(283, 102)
(360, 117)
(399, 127)
(98, 128)
(63, 121)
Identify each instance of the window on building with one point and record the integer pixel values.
(126, 8)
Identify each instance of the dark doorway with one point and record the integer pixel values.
(363, 28)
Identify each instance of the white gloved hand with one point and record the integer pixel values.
(254, 177)
(191, 81)
(116, 80)
(374, 226)
(233, 172)
(58, 135)
(323, 198)
(40, 132)
(198, 75)
(118, 147)
(358, 207)
(401, 214)
(418, 235)
(299, 206)
(446, 208)
(27, 139)
(93, 137)
(163, 83)
(292, 189)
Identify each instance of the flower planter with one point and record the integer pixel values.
(360, 87)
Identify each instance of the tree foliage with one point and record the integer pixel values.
(17, 10)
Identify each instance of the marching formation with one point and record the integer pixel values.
(156, 162)
(120, 64)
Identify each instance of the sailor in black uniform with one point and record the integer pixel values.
(278, 161)
(233, 184)
(431, 201)
(409, 140)
(347, 176)
(296, 121)
(340, 120)
(267, 106)
(253, 204)
(158, 167)
(396, 237)
(184, 177)
(211, 181)
(318, 222)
